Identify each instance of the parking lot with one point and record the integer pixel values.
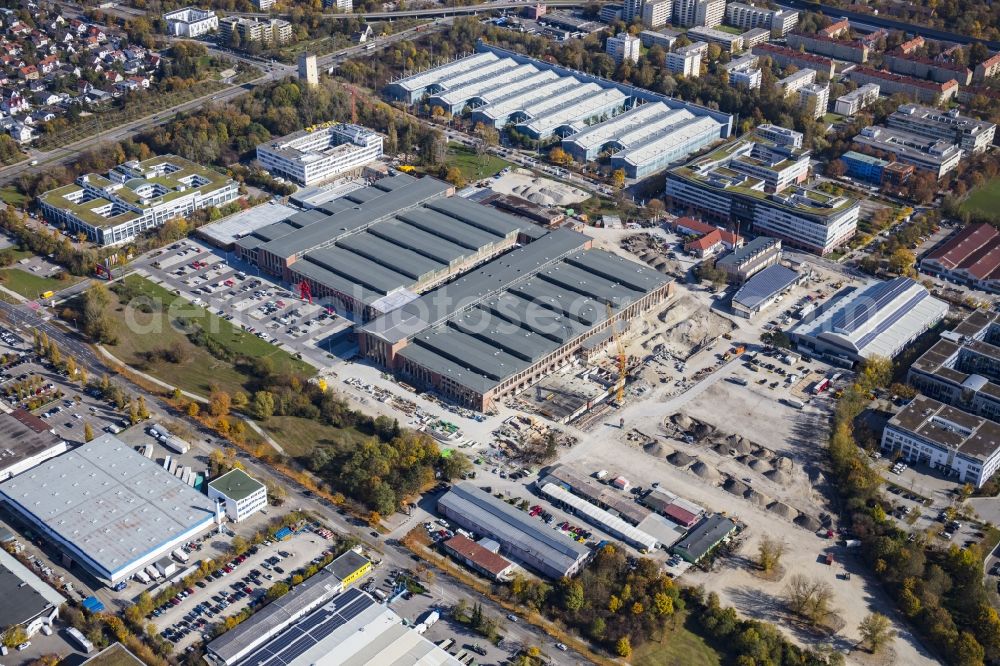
(233, 586)
(242, 294)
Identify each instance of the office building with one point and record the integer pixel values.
(851, 103)
(743, 262)
(936, 156)
(348, 629)
(971, 257)
(784, 56)
(657, 13)
(962, 369)
(499, 329)
(28, 601)
(108, 508)
(240, 31)
(191, 22)
(686, 61)
(956, 443)
(880, 319)
(704, 537)
(814, 98)
(321, 153)
(793, 83)
(728, 41)
(240, 494)
(864, 167)
(135, 197)
(925, 92)
(623, 47)
(525, 539)
(973, 136)
(308, 72)
(763, 289)
(744, 72)
(691, 13)
(26, 441)
(663, 38)
(645, 139)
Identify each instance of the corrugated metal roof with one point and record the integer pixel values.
(765, 285)
(611, 524)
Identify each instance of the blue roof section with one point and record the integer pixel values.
(765, 285)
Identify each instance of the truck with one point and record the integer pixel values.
(791, 359)
(792, 402)
(175, 443)
(80, 640)
(738, 380)
(430, 618)
(158, 431)
(180, 555)
(601, 475)
(141, 576)
(820, 386)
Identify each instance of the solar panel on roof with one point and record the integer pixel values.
(849, 320)
(886, 323)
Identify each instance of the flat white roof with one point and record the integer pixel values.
(522, 100)
(108, 502)
(636, 118)
(484, 79)
(436, 74)
(651, 149)
(573, 109)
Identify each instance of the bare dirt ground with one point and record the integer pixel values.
(543, 191)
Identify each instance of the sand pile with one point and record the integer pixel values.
(542, 191)
(783, 510)
(706, 472)
(680, 459)
(808, 522)
(784, 463)
(758, 498)
(779, 477)
(760, 466)
(736, 487)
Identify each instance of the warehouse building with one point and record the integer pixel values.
(376, 248)
(502, 327)
(744, 262)
(135, 197)
(28, 601)
(936, 156)
(959, 444)
(522, 538)
(478, 558)
(970, 257)
(759, 181)
(645, 139)
(350, 567)
(594, 492)
(704, 537)
(351, 628)
(763, 289)
(962, 369)
(26, 441)
(318, 154)
(605, 521)
(502, 88)
(880, 319)
(108, 508)
(241, 494)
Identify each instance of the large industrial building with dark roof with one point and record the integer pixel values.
(377, 248)
(505, 325)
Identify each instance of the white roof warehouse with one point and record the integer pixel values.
(108, 507)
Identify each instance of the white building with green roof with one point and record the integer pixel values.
(241, 494)
(135, 197)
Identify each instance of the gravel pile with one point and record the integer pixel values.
(680, 459)
(736, 487)
(758, 498)
(779, 477)
(761, 466)
(783, 510)
(808, 522)
(784, 463)
(657, 449)
(706, 472)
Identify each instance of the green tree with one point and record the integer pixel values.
(769, 553)
(876, 631)
(573, 597)
(263, 405)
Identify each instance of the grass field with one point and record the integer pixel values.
(30, 285)
(140, 333)
(9, 194)
(472, 166)
(298, 436)
(985, 200)
(681, 648)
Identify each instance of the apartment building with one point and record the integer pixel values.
(814, 99)
(926, 92)
(726, 40)
(623, 47)
(191, 22)
(793, 83)
(657, 13)
(691, 13)
(686, 60)
(856, 100)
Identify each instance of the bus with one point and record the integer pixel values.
(48, 294)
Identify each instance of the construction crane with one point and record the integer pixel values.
(619, 387)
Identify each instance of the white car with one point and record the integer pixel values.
(24, 646)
